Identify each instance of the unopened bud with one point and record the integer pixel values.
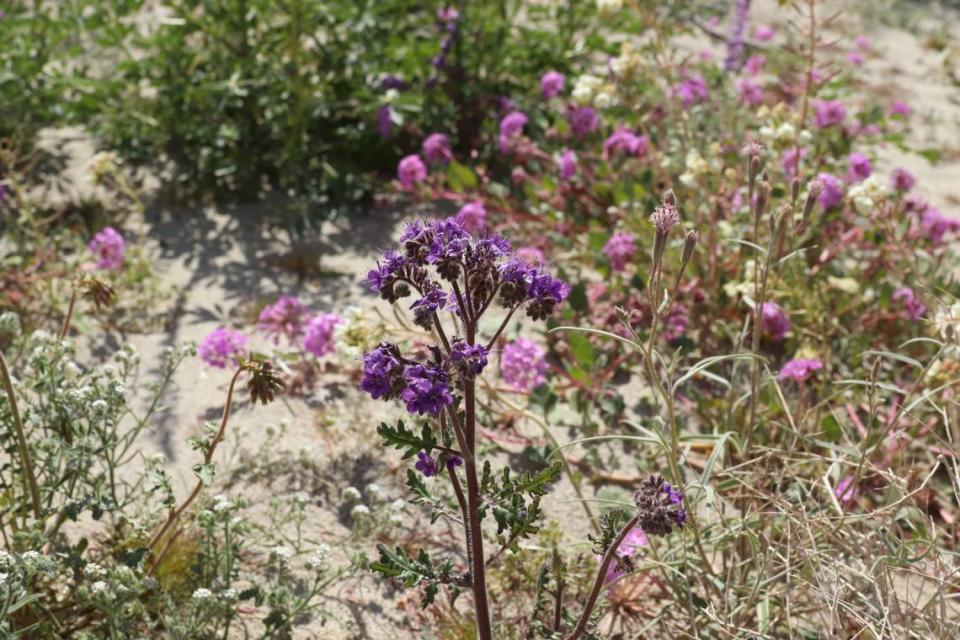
(689, 245)
(814, 189)
(794, 191)
(670, 198)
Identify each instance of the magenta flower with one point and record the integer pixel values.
(624, 141)
(691, 90)
(318, 337)
(676, 323)
(936, 225)
(221, 347)
(531, 256)
(755, 63)
(631, 544)
(828, 113)
(426, 464)
(583, 121)
(859, 167)
(620, 249)
(511, 128)
(912, 307)
(862, 42)
(109, 248)
(790, 159)
(799, 369)
(472, 217)
(551, 84)
(751, 93)
(568, 164)
(902, 180)
(764, 33)
(900, 108)
(846, 492)
(411, 170)
(436, 149)
(774, 321)
(855, 58)
(523, 365)
(831, 191)
(284, 317)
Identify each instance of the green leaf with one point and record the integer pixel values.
(460, 176)
(578, 297)
(932, 155)
(581, 349)
(205, 472)
(400, 437)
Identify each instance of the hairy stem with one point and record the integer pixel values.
(478, 568)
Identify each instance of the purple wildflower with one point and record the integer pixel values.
(383, 372)
(472, 216)
(660, 506)
(568, 164)
(828, 113)
(109, 248)
(469, 359)
(523, 365)
(385, 121)
(774, 321)
(831, 191)
(426, 307)
(799, 369)
(631, 545)
(551, 84)
(913, 308)
(751, 93)
(221, 346)
(436, 149)
(624, 141)
(790, 159)
(936, 225)
(394, 82)
(664, 218)
(453, 461)
(511, 128)
(283, 318)
(859, 167)
(427, 390)
(426, 464)
(764, 33)
(583, 121)
(900, 109)
(318, 337)
(691, 90)
(855, 58)
(620, 249)
(902, 180)
(755, 64)
(846, 492)
(676, 323)
(738, 26)
(411, 170)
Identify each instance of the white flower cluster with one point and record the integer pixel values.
(868, 194)
(318, 561)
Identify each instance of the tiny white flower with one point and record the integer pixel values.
(359, 511)
(282, 552)
(398, 505)
(351, 494)
(95, 571)
(98, 588)
(373, 491)
(230, 595)
(202, 594)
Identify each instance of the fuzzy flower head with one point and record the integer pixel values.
(426, 464)
(551, 84)
(902, 180)
(620, 249)
(436, 149)
(318, 337)
(221, 347)
(660, 506)
(828, 113)
(473, 217)
(583, 121)
(285, 317)
(626, 142)
(664, 218)
(831, 191)
(410, 171)
(523, 365)
(774, 321)
(799, 369)
(860, 168)
(511, 129)
(691, 90)
(900, 109)
(427, 390)
(568, 164)
(109, 248)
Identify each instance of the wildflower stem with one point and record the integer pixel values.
(478, 568)
(608, 557)
(69, 317)
(30, 478)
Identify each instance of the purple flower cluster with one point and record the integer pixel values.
(738, 26)
(109, 248)
(624, 141)
(751, 93)
(318, 337)
(426, 464)
(630, 546)
(660, 506)
(551, 84)
(568, 164)
(583, 121)
(411, 170)
(912, 307)
(221, 346)
(936, 225)
(473, 217)
(828, 113)
(831, 191)
(799, 369)
(774, 321)
(676, 322)
(427, 389)
(523, 365)
(511, 128)
(692, 89)
(436, 149)
(859, 167)
(620, 249)
(902, 180)
(285, 318)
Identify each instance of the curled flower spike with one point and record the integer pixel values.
(265, 382)
(660, 506)
(97, 291)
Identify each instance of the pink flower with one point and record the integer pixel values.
(283, 318)
(831, 191)
(846, 492)
(620, 249)
(318, 338)
(436, 149)
(411, 170)
(936, 225)
(531, 255)
(862, 42)
(583, 121)
(902, 180)
(511, 128)
(799, 369)
(692, 89)
(631, 544)
(751, 93)
(523, 365)
(912, 307)
(676, 322)
(624, 141)
(764, 33)
(855, 58)
(900, 108)
(472, 216)
(859, 167)
(828, 113)
(774, 321)
(109, 248)
(551, 84)
(568, 164)
(755, 63)
(221, 346)
(790, 159)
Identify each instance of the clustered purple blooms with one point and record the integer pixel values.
(755, 64)
(676, 322)
(900, 108)
(109, 248)
(902, 180)
(221, 346)
(774, 321)
(624, 141)
(318, 337)
(511, 128)
(691, 90)
(551, 84)
(913, 307)
(568, 164)
(385, 121)
(846, 492)
(523, 365)
(799, 369)
(735, 47)
(426, 464)
(620, 249)
(859, 167)
(831, 191)
(751, 93)
(828, 113)
(936, 225)
(411, 170)
(436, 149)
(660, 506)
(473, 217)
(486, 264)
(583, 121)
(448, 19)
(285, 318)
(393, 82)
